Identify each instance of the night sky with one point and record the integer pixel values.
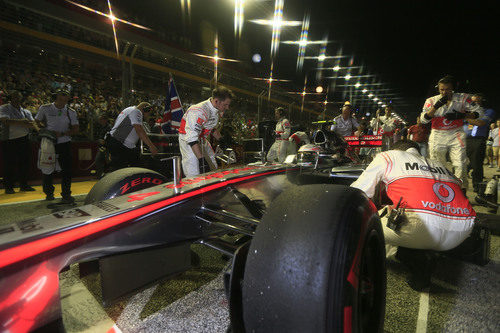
(408, 45)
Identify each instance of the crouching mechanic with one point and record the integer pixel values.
(437, 216)
(197, 124)
(296, 140)
(279, 148)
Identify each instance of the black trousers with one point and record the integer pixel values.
(476, 151)
(63, 151)
(16, 161)
(121, 156)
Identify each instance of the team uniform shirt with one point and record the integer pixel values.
(388, 125)
(198, 122)
(430, 194)
(299, 138)
(123, 130)
(58, 120)
(196, 126)
(282, 129)
(344, 127)
(418, 133)
(10, 112)
(460, 102)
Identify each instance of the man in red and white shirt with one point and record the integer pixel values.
(437, 214)
(279, 148)
(197, 124)
(447, 112)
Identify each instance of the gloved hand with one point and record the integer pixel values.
(455, 115)
(442, 101)
(203, 164)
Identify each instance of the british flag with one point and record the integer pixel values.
(173, 112)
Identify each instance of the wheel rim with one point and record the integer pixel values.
(371, 284)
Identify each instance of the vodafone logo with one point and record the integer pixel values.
(444, 192)
(447, 122)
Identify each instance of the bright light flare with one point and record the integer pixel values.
(357, 85)
(319, 89)
(277, 23)
(370, 95)
(364, 91)
(271, 79)
(108, 15)
(303, 43)
(336, 68)
(213, 57)
(383, 105)
(239, 7)
(112, 19)
(347, 77)
(375, 99)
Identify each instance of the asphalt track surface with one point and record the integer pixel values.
(463, 296)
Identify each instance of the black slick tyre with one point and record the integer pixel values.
(316, 264)
(122, 182)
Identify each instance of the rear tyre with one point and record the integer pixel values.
(316, 264)
(122, 182)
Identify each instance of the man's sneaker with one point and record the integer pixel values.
(49, 197)
(9, 191)
(26, 188)
(68, 200)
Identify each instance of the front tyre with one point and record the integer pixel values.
(316, 264)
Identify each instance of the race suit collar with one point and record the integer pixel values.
(413, 151)
(212, 108)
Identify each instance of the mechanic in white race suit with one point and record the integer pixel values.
(197, 124)
(447, 112)
(279, 148)
(437, 215)
(385, 125)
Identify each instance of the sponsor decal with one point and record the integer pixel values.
(29, 226)
(138, 181)
(71, 213)
(141, 196)
(444, 192)
(448, 209)
(6, 230)
(107, 207)
(438, 170)
(208, 177)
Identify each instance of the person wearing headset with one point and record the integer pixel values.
(447, 112)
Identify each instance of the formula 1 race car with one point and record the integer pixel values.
(306, 256)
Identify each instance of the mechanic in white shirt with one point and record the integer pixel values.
(123, 138)
(197, 124)
(62, 120)
(345, 123)
(279, 148)
(16, 146)
(437, 215)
